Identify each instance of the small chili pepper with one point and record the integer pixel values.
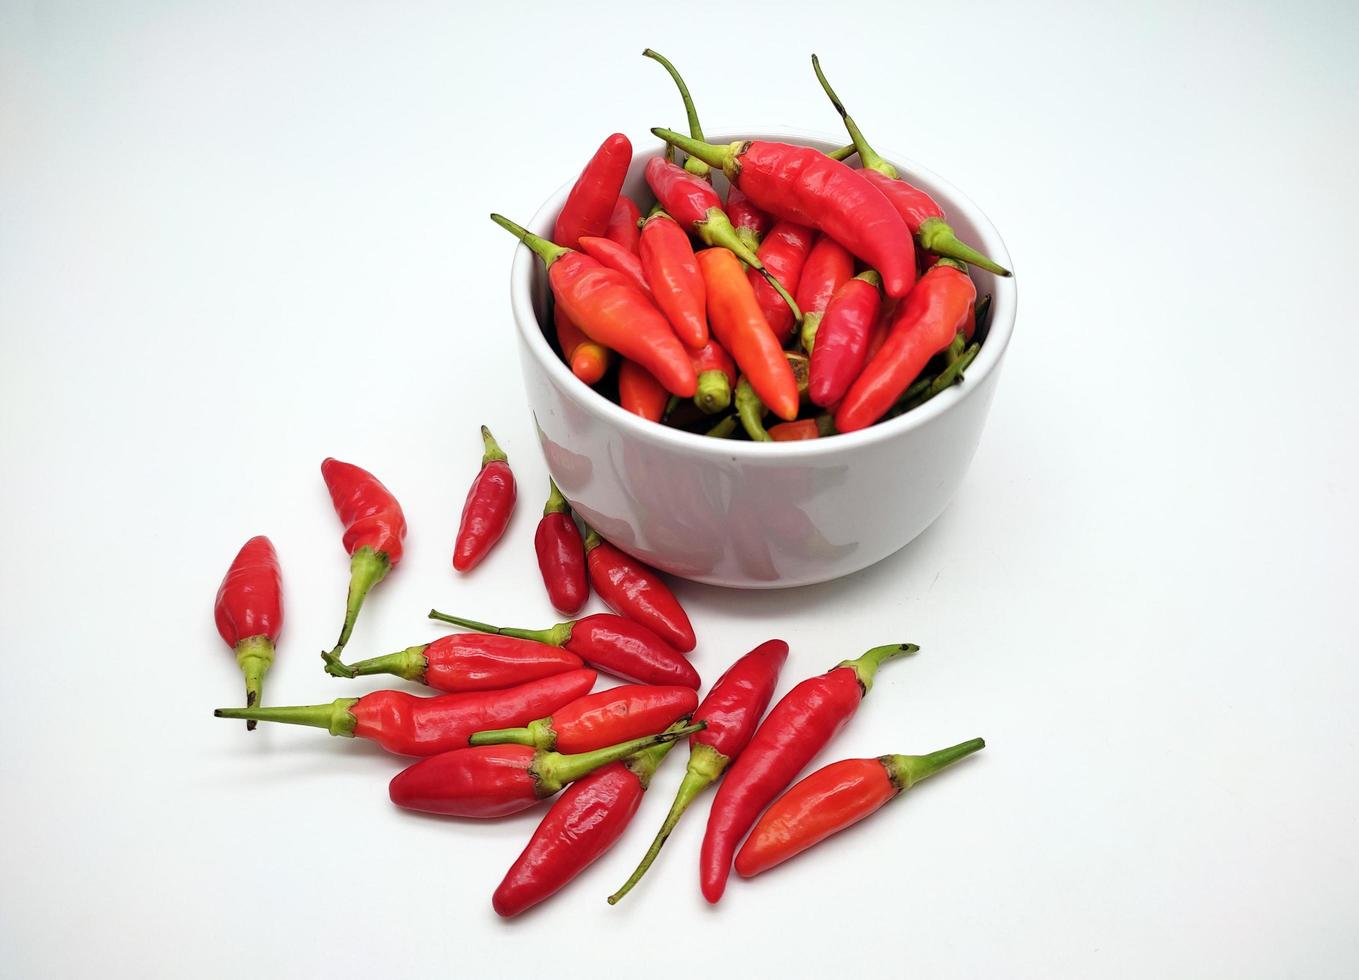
(925, 324)
(696, 167)
(374, 528)
(612, 643)
(797, 728)
(249, 612)
(833, 798)
(486, 512)
(841, 350)
(497, 780)
(640, 393)
(467, 662)
(623, 222)
(828, 267)
(581, 825)
(795, 431)
(784, 252)
(406, 724)
(800, 184)
(561, 555)
(590, 205)
(669, 265)
(588, 360)
(732, 710)
(740, 327)
(750, 411)
(600, 719)
(923, 216)
(617, 257)
(632, 590)
(716, 376)
(611, 311)
(750, 222)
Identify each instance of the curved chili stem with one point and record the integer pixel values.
(366, 569)
(843, 153)
(556, 635)
(409, 664)
(695, 166)
(751, 411)
(867, 155)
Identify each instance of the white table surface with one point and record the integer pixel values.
(234, 241)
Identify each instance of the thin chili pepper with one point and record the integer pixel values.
(561, 555)
(497, 780)
(487, 510)
(923, 216)
(249, 612)
(600, 719)
(590, 205)
(835, 797)
(467, 662)
(925, 324)
(611, 311)
(669, 265)
(800, 184)
(740, 327)
(609, 253)
(750, 222)
(784, 252)
(633, 590)
(797, 728)
(612, 643)
(407, 724)
(732, 709)
(716, 376)
(696, 206)
(623, 222)
(841, 350)
(581, 825)
(696, 167)
(588, 360)
(640, 393)
(750, 410)
(797, 431)
(374, 528)
(828, 267)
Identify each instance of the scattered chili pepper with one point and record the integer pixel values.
(590, 205)
(732, 709)
(833, 798)
(640, 393)
(467, 662)
(588, 360)
(611, 311)
(695, 166)
(633, 590)
(249, 612)
(600, 719)
(828, 267)
(841, 350)
(623, 222)
(784, 252)
(716, 376)
(797, 431)
(797, 728)
(609, 253)
(750, 222)
(612, 643)
(497, 780)
(486, 512)
(750, 410)
(669, 265)
(561, 555)
(407, 724)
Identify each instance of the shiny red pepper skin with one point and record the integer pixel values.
(249, 612)
(828, 267)
(590, 205)
(486, 512)
(784, 252)
(623, 223)
(640, 393)
(600, 719)
(669, 265)
(617, 257)
(798, 431)
(914, 205)
(750, 222)
(686, 198)
(469, 662)
(841, 348)
(588, 360)
(561, 554)
(631, 589)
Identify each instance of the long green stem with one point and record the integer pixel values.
(409, 664)
(366, 569)
(695, 166)
(537, 733)
(867, 155)
(907, 770)
(750, 410)
(721, 157)
(554, 771)
(866, 666)
(937, 236)
(557, 635)
(335, 717)
(545, 250)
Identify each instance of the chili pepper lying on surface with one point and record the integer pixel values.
(784, 252)
(841, 348)
(623, 221)
(590, 205)
(732, 709)
(669, 265)
(695, 166)
(640, 393)
(612, 643)
(249, 612)
(589, 361)
(836, 797)
(600, 719)
(633, 590)
(716, 377)
(497, 780)
(618, 258)
(487, 510)
(561, 554)
(467, 662)
(829, 266)
(409, 725)
(797, 728)
(374, 529)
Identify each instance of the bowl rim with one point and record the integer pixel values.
(1003, 309)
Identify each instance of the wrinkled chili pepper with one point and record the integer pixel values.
(833, 798)
(640, 393)
(487, 510)
(623, 222)
(750, 222)
(590, 205)
(497, 780)
(828, 267)
(467, 662)
(841, 348)
(249, 612)
(669, 265)
(633, 590)
(410, 725)
(784, 252)
(561, 555)
(588, 360)
(618, 258)
(732, 709)
(600, 719)
(374, 528)
(797, 728)
(716, 377)
(611, 311)
(696, 167)
(800, 184)
(612, 643)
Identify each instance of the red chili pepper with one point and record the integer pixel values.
(623, 230)
(732, 709)
(486, 512)
(750, 222)
(497, 780)
(561, 555)
(410, 725)
(631, 589)
(249, 612)
(925, 324)
(617, 257)
(784, 252)
(716, 377)
(841, 348)
(829, 266)
(374, 528)
(589, 361)
(798, 431)
(833, 798)
(468, 662)
(600, 719)
(798, 183)
(612, 643)
(590, 205)
(668, 263)
(696, 167)
(640, 393)
(923, 216)
(797, 728)
(612, 311)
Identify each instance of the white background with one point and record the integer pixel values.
(237, 238)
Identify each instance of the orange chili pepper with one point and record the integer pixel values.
(588, 360)
(639, 392)
(794, 431)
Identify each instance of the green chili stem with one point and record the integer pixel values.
(366, 569)
(695, 166)
(254, 655)
(545, 250)
(866, 666)
(335, 717)
(907, 770)
(867, 155)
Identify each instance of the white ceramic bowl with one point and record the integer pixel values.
(758, 515)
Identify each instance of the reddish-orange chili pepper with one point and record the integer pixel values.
(669, 265)
(784, 252)
(249, 612)
(750, 222)
(588, 360)
(740, 327)
(925, 324)
(716, 377)
(631, 589)
(797, 728)
(608, 252)
(487, 510)
(590, 205)
(640, 393)
(833, 798)
(468, 662)
(828, 267)
(600, 719)
(409, 725)
(561, 554)
(695, 166)
(612, 311)
(841, 348)
(623, 223)
(797, 431)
